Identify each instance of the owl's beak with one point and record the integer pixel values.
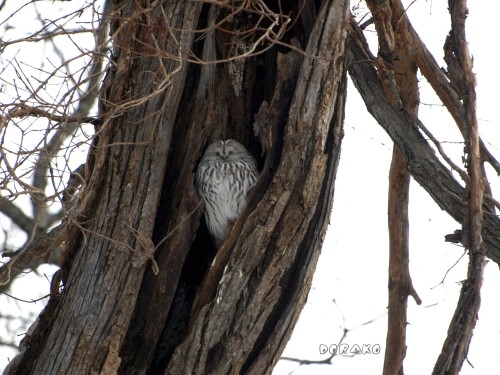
(224, 153)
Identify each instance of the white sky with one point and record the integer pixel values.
(352, 270)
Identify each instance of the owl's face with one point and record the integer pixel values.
(226, 150)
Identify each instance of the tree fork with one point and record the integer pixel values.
(147, 146)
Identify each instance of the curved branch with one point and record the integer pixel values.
(44, 248)
(14, 213)
(402, 126)
(40, 251)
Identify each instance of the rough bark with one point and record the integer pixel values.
(255, 300)
(143, 291)
(396, 62)
(109, 242)
(456, 345)
(399, 278)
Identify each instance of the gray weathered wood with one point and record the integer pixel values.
(248, 312)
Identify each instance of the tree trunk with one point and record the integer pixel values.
(144, 289)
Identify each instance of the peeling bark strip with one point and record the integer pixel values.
(264, 286)
(399, 70)
(402, 126)
(457, 56)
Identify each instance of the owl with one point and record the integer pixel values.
(227, 171)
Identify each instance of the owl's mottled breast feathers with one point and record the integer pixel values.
(227, 171)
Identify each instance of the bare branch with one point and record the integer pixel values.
(395, 63)
(23, 110)
(456, 345)
(402, 126)
(15, 214)
(40, 251)
(68, 127)
(20, 116)
(440, 82)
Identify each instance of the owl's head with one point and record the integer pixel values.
(226, 150)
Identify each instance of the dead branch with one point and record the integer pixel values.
(402, 90)
(334, 353)
(402, 126)
(442, 86)
(68, 127)
(40, 251)
(23, 110)
(457, 56)
(44, 247)
(18, 217)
